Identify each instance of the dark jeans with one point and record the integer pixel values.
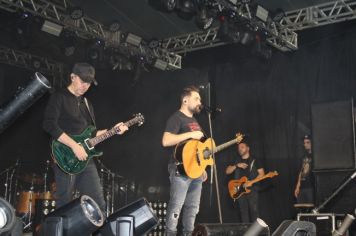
(86, 182)
(248, 205)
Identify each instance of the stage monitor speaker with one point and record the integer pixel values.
(295, 228)
(227, 229)
(333, 136)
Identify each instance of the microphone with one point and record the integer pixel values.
(210, 109)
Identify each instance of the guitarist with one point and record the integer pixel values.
(184, 191)
(247, 165)
(69, 112)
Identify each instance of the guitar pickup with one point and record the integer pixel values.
(87, 144)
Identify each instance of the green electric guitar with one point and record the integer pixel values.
(66, 159)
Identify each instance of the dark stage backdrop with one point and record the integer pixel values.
(269, 100)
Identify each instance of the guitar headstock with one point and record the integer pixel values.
(138, 119)
(239, 137)
(272, 174)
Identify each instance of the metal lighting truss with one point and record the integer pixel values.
(319, 15)
(85, 27)
(32, 62)
(284, 36)
(280, 37)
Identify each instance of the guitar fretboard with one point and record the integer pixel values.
(225, 145)
(111, 132)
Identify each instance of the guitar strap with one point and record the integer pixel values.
(252, 163)
(90, 112)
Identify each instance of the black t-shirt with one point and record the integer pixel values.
(179, 123)
(251, 171)
(306, 178)
(67, 113)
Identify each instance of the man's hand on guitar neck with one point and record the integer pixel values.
(123, 128)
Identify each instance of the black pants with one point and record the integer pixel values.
(86, 182)
(248, 205)
(306, 195)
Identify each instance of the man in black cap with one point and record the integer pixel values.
(304, 190)
(67, 113)
(249, 166)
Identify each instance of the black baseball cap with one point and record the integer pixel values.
(85, 71)
(307, 136)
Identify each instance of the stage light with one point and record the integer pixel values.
(144, 219)
(344, 226)
(23, 99)
(169, 5)
(261, 13)
(7, 217)
(256, 228)
(133, 39)
(52, 28)
(278, 15)
(82, 216)
(114, 26)
(76, 13)
(153, 43)
(187, 6)
(203, 20)
(160, 64)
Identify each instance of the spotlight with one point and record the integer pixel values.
(82, 216)
(52, 28)
(95, 51)
(7, 217)
(203, 20)
(169, 5)
(278, 15)
(114, 26)
(160, 64)
(187, 9)
(36, 63)
(153, 43)
(256, 228)
(344, 226)
(133, 39)
(144, 219)
(261, 13)
(76, 13)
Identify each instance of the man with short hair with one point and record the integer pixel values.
(304, 191)
(250, 167)
(67, 113)
(184, 192)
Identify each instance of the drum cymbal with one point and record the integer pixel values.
(31, 178)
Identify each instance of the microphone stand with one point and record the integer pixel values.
(213, 170)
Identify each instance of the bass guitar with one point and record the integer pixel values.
(239, 187)
(193, 156)
(65, 157)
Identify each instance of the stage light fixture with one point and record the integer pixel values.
(76, 13)
(153, 43)
(52, 28)
(143, 217)
(278, 15)
(169, 5)
(160, 64)
(133, 39)
(187, 6)
(7, 217)
(82, 216)
(256, 228)
(344, 225)
(262, 13)
(203, 20)
(114, 26)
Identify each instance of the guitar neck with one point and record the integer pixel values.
(259, 179)
(111, 132)
(225, 145)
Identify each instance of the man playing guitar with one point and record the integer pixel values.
(67, 113)
(250, 167)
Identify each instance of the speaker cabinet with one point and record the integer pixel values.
(228, 229)
(333, 136)
(293, 228)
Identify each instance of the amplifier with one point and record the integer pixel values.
(325, 223)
